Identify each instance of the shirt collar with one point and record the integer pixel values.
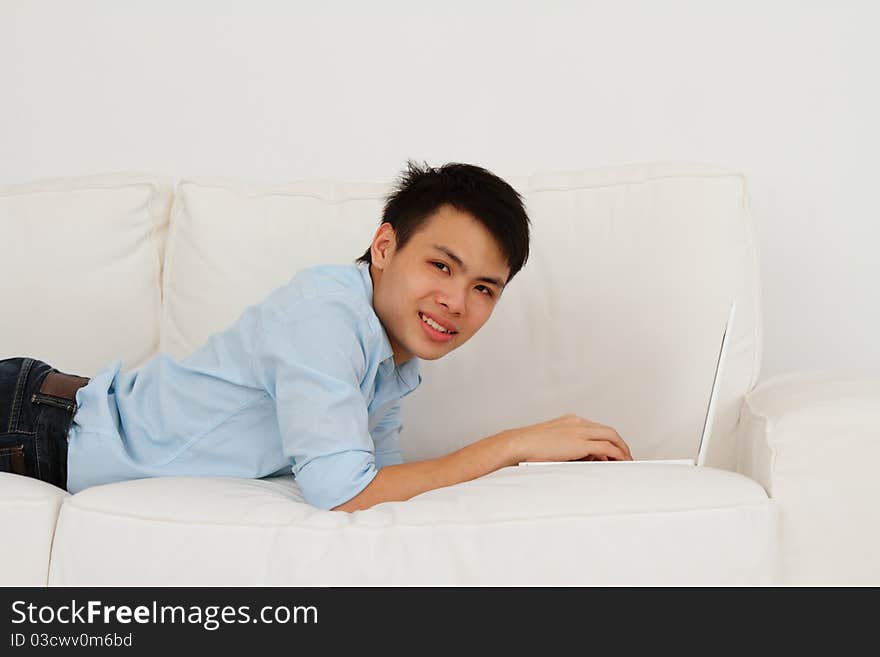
(409, 372)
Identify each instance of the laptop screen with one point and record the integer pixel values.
(719, 369)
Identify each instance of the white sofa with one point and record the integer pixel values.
(617, 316)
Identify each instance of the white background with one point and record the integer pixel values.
(784, 91)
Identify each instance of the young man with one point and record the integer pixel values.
(311, 379)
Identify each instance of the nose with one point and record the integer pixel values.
(453, 299)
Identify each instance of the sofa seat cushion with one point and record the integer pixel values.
(28, 512)
(600, 524)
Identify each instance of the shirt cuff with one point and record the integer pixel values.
(328, 481)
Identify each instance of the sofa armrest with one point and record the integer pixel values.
(29, 511)
(812, 439)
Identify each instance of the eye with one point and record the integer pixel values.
(487, 291)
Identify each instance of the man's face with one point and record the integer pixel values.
(425, 280)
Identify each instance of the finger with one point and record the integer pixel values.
(607, 433)
(612, 431)
(620, 442)
(604, 448)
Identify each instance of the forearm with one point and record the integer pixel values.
(403, 481)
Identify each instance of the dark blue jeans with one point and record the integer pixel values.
(33, 425)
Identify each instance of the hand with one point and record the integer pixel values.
(569, 438)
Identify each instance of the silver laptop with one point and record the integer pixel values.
(703, 449)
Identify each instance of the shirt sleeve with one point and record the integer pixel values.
(386, 438)
(311, 359)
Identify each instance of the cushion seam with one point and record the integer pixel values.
(430, 526)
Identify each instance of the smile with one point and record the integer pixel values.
(434, 330)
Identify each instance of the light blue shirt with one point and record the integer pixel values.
(302, 382)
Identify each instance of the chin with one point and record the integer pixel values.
(438, 352)
(432, 356)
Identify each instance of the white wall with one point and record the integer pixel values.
(785, 91)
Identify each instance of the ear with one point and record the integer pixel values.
(384, 243)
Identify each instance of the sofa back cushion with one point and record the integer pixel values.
(231, 242)
(80, 271)
(617, 315)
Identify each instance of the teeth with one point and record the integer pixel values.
(434, 325)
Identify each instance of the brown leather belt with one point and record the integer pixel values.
(62, 385)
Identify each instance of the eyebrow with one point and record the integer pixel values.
(457, 260)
